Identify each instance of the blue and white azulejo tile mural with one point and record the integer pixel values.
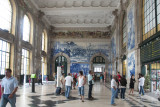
(131, 26)
(131, 64)
(80, 51)
(113, 46)
(76, 67)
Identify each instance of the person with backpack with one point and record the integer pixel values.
(123, 83)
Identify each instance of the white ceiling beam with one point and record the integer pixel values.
(81, 25)
(76, 10)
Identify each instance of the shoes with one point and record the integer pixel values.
(82, 100)
(90, 98)
(113, 104)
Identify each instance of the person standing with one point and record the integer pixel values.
(74, 82)
(123, 87)
(117, 89)
(118, 76)
(141, 82)
(105, 77)
(90, 83)
(62, 79)
(40, 79)
(113, 89)
(101, 78)
(9, 88)
(139, 76)
(132, 81)
(68, 82)
(81, 83)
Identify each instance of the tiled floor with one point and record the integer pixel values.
(44, 97)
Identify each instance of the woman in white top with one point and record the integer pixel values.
(81, 83)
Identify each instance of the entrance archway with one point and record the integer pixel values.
(102, 55)
(99, 63)
(64, 59)
(61, 61)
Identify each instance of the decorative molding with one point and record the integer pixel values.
(81, 34)
(6, 36)
(26, 45)
(71, 14)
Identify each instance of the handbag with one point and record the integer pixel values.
(90, 82)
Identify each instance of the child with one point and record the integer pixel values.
(29, 81)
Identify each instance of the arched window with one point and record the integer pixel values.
(43, 41)
(26, 28)
(5, 15)
(124, 30)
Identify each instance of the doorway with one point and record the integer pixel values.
(62, 62)
(98, 67)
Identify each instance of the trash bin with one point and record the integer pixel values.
(33, 76)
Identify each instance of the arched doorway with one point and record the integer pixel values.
(99, 64)
(61, 61)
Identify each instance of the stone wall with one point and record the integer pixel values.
(132, 10)
(15, 39)
(80, 52)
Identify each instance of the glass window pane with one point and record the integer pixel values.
(4, 56)
(149, 17)
(25, 62)
(6, 15)
(26, 28)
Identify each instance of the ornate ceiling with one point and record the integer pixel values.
(78, 14)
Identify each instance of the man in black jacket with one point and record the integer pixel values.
(123, 87)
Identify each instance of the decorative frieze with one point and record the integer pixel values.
(81, 34)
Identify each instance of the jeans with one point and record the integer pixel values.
(5, 100)
(123, 90)
(81, 90)
(90, 91)
(117, 90)
(113, 95)
(141, 90)
(68, 88)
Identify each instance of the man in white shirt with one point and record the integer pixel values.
(113, 89)
(141, 83)
(9, 88)
(68, 82)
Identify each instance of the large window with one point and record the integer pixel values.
(151, 17)
(124, 32)
(26, 28)
(4, 56)
(25, 62)
(5, 15)
(43, 41)
(158, 14)
(43, 66)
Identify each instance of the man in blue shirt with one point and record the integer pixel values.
(90, 83)
(9, 88)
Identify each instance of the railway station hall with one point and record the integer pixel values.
(79, 53)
